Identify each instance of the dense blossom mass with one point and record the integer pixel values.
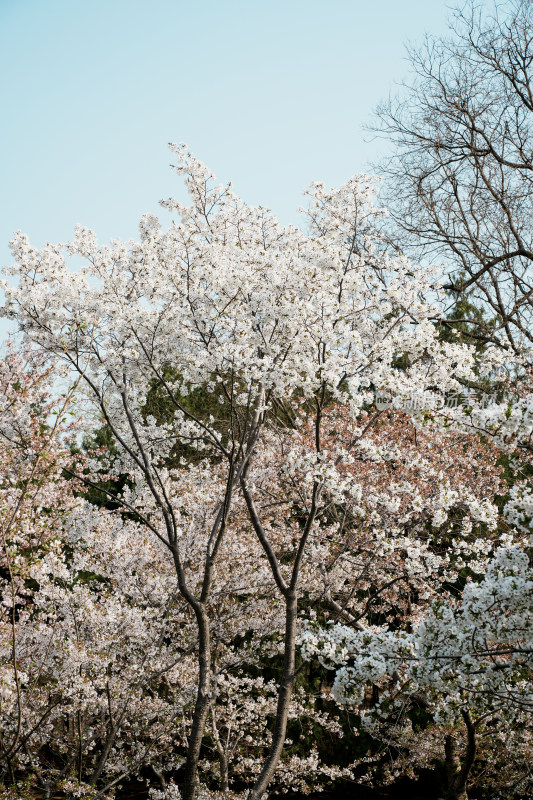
(249, 574)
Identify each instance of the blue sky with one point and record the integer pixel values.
(271, 95)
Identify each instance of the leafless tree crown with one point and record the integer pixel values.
(460, 179)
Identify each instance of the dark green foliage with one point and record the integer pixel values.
(467, 321)
(100, 444)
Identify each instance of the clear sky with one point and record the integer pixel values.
(271, 95)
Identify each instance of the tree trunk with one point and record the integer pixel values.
(284, 698)
(224, 773)
(221, 752)
(201, 709)
(454, 773)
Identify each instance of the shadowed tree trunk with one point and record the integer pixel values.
(456, 772)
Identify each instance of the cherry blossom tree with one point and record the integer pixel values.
(33, 501)
(471, 658)
(463, 655)
(95, 635)
(274, 322)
